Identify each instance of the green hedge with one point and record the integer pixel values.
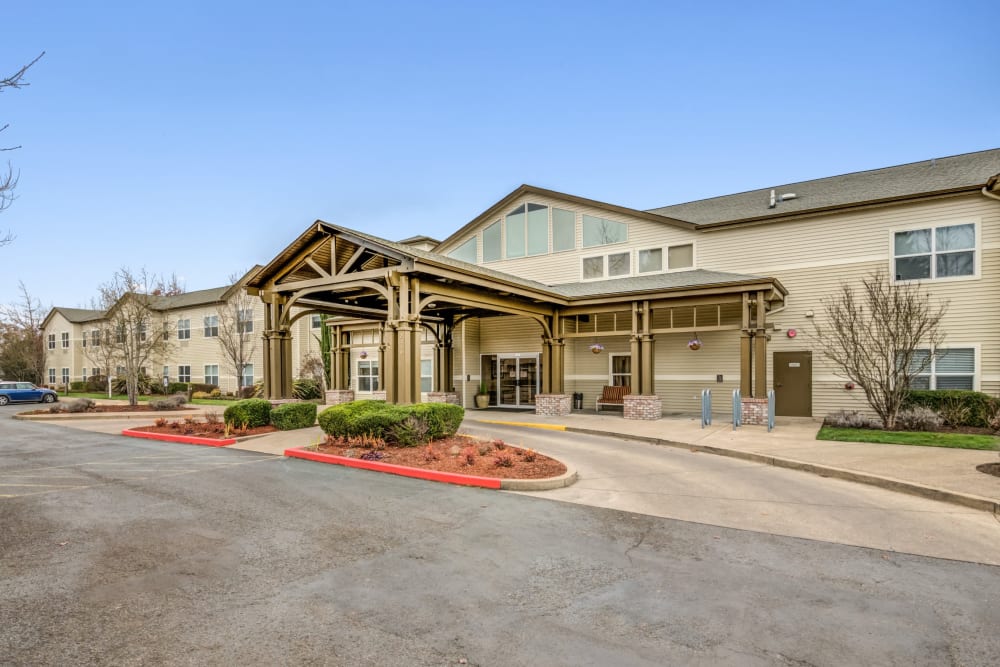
(401, 424)
(177, 388)
(291, 416)
(253, 412)
(980, 405)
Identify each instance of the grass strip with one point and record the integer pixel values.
(919, 438)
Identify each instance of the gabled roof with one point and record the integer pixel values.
(959, 173)
(190, 299)
(74, 315)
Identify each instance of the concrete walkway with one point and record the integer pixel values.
(932, 472)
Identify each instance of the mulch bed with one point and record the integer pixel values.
(450, 455)
(203, 430)
(142, 407)
(989, 468)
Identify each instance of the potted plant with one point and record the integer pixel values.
(483, 396)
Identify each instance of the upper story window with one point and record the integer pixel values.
(651, 260)
(467, 252)
(935, 252)
(244, 321)
(491, 242)
(65, 339)
(52, 341)
(95, 338)
(83, 339)
(563, 230)
(527, 228)
(211, 326)
(598, 231)
(183, 329)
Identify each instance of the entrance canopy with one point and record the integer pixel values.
(360, 279)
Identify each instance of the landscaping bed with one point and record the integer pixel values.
(142, 407)
(459, 454)
(202, 429)
(989, 469)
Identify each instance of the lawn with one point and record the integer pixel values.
(924, 439)
(122, 397)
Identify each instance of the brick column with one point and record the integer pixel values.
(755, 411)
(339, 396)
(643, 406)
(553, 405)
(443, 397)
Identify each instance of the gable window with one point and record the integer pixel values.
(467, 252)
(65, 339)
(614, 265)
(619, 264)
(949, 368)
(183, 373)
(621, 370)
(367, 375)
(52, 343)
(212, 374)
(599, 231)
(244, 321)
(936, 252)
(527, 228)
(563, 230)
(142, 331)
(491, 242)
(653, 260)
(211, 326)
(593, 267)
(183, 329)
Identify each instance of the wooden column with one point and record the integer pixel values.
(277, 351)
(558, 364)
(760, 349)
(386, 360)
(746, 363)
(647, 384)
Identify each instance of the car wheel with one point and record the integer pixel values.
(48, 398)
(4, 400)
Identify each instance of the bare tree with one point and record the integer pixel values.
(873, 338)
(8, 181)
(236, 335)
(133, 325)
(22, 343)
(103, 355)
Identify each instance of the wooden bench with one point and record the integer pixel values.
(613, 395)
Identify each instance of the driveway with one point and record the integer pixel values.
(120, 551)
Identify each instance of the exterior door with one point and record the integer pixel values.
(517, 380)
(793, 384)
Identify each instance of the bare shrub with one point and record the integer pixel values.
(918, 419)
(170, 403)
(955, 412)
(849, 419)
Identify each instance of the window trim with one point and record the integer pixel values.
(583, 242)
(51, 341)
(373, 378)
(951, 345)
(210, 330)
(180, 375)
(64, 339)
(611, 367)
(977, 251)
(205, 374)
(186, 329)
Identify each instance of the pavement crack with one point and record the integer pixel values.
(638, 543)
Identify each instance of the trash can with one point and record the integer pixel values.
(578, 400)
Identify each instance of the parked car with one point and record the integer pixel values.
(22, 392)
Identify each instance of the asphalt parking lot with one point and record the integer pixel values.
(118, 551)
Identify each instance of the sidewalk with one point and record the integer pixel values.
(937, 473)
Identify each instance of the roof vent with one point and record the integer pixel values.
(777, 199)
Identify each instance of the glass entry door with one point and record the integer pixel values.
(517, 380)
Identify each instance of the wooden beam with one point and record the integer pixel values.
(317, 268)
(335, 281)
(350, 262)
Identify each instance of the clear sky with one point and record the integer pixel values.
(202, 137)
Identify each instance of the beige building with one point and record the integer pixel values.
(544, 295)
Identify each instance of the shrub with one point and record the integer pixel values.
(80, 405)
(160, 421)
(403, 424)
(215, 393)
(211, 417)
(504, 460)
(530, 455)
(307, 388)
(918, 419)
(201, 386)
(993, 417)
(97, 383)
(169, 403)
(469, 455)
(955, 412)
(201, 395)
(409, 432)
(443, 419)
(372, 455)
(252, 411)
(252, 392)
(144, 385)
(177, 388)
(77, 386)
(980, 405)
(334, 420)
(291, 416)
(848, 419)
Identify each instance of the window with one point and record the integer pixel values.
(563, 230)
(212, 374)
(244, 321)
(598, 231)
(142, 331)
(211, 326)
(119, 371)
(650, 260)
(514, 227)
(491, 242)
(621, 370)
(52, 343)
(949, 368)
(527, 228)
(619, 264)
(83, 338)
(247, 375)
(52, 373)
(680, 256)
(426, 375)
(316, 321)
(467, 252)
(367, 375)
(65, 339)
(95, 338)
(166, 373)
(183, 373)
(120, 334)
(939, 252)
(183, 329)
(83, 374)
(166, 331)
(613, 266)
(593, 267)
(65, 376)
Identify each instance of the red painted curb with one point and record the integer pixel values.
(405, 471)
(183, 439)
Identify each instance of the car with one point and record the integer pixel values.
(22, 392)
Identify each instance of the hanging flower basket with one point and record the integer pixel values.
(596, 348)
(364, 354)
(694, 343)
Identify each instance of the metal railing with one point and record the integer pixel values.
(706, 407)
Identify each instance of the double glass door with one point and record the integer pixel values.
(517, 380)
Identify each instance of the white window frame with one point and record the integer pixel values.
(604, 267)
(52, 341)
(611, 367)
(184, 333)
(372, 377)
(65, 375)
(583, 224)
(181, 375)
(64, 338)
(244, 320)
(214, 375)
(247, 377)
(315, 321)
(211, 328)
(83, 374)
(977, 250)
(52, 376)
(976, 366)
(430, 376)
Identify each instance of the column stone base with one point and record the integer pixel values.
(755, 411)
(443, 397)
(339, 396)
(643, 406)
(553, 405)
(378, 395)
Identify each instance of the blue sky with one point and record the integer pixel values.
(201, 137)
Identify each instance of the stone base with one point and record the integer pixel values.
(377, 395)
(443, 397)
(339, 396)
(640, 406)
(553, 405)
(755, 411)
(275, 402)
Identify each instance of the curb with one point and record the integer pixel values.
(183, 439)
(565, 479)
(968, 500)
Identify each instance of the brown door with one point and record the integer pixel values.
(793, 384)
